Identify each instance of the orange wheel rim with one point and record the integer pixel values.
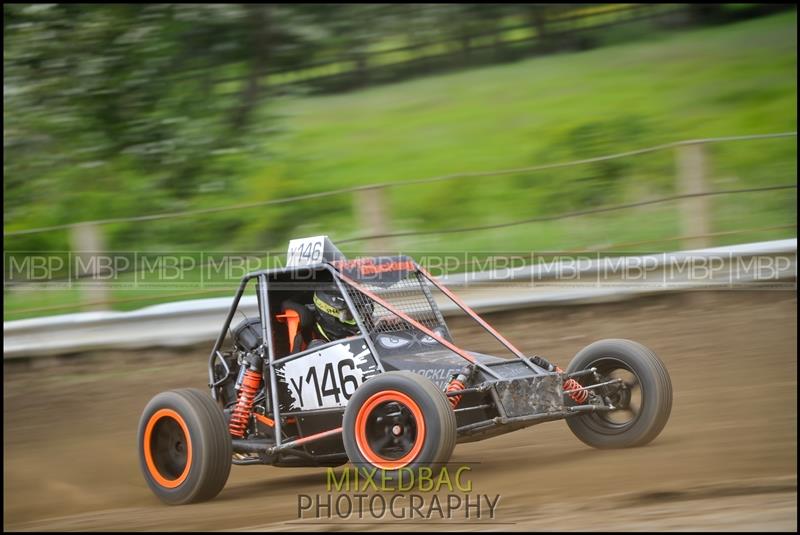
(364, 420)
(158, 420)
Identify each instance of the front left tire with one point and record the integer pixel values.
(184, 447)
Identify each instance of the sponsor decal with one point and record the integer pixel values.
(380, 270)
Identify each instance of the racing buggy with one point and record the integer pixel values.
(396, 393)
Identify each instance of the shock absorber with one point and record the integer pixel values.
(244, 405)
(457, 382)
(578, 396)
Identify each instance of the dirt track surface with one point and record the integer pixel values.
(725, 461)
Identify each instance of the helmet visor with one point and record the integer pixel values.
(341, 312)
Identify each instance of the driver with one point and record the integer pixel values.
(333, 319)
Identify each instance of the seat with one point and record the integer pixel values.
(299, 324)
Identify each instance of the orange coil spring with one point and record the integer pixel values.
(580, 396)
(454, 385)
(244, 406)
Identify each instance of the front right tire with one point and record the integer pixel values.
(397, 421)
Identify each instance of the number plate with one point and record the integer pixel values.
(312, 250)
(305, 251)
(327, 378)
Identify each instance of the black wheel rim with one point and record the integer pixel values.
(391, 430)
(168, 448)
(627, 397)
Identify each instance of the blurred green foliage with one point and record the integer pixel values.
(113, 111)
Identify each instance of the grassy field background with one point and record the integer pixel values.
(736, 79)
(727, 80)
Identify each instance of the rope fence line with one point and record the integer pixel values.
(576, 213)
(564, 215)
(234, 284)
(400, 183)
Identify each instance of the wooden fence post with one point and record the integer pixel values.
(88, 244)
(692, 167)
(373, 217)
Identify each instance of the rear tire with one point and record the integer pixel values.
(646, 373)
(184, 447)
(398, 420)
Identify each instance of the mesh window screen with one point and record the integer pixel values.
(410, 295)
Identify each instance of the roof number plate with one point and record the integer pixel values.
(312, 250)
